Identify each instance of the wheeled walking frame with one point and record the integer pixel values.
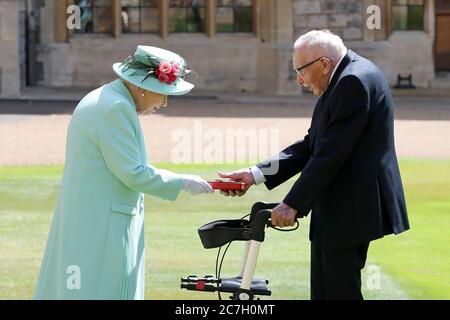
(218, 233)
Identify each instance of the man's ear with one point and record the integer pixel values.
(327, 66)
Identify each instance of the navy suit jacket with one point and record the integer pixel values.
(349, 172)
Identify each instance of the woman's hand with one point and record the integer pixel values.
(195, 185)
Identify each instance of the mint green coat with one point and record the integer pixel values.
(95, 248)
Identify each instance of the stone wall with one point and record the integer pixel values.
(9, 47)
(226, 63)
(343, 17)
(412, 53)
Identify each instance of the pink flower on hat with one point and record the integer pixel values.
(165, 67)
(167, 72)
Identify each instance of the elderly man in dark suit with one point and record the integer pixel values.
(350, 177)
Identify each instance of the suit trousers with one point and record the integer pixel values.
(336, 275)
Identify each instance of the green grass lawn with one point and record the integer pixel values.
(414, 265)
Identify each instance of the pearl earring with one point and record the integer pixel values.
(143, 94)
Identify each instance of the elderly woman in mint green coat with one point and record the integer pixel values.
(95, 249)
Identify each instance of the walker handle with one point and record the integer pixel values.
(259, 222)
(258, 206)
(260, 218)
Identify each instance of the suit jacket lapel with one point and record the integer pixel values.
(323, 101)
(348, 58)
(314, 122)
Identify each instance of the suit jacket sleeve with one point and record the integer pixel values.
(119, 146)
(286, 164)
(348, 116)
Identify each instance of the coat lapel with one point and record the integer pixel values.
(119, 86)
(348, 58)
(314, 122)
(322, 102)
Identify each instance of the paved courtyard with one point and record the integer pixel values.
(227, 129)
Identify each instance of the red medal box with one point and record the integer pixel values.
(227, 185)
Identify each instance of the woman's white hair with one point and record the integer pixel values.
(323, 40)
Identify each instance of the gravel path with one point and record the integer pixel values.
(205, 131)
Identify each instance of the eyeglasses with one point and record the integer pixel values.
(299, 69)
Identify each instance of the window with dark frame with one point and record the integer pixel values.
(139, 16)
(186, 16)
(95, 16)
(234, 16)
(408, 15)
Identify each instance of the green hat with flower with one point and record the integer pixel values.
(155, 69)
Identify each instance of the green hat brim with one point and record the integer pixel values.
(152, 84)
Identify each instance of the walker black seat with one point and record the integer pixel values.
(218, 233)
(258, 286)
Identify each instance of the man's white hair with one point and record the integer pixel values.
(323, 40)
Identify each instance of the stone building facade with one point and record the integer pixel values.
(251, 53)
